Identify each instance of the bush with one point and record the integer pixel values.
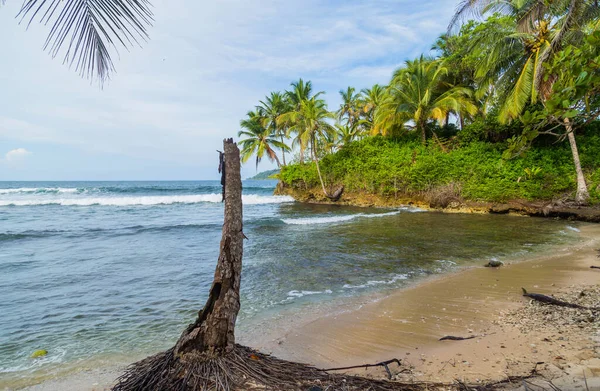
(383, 166)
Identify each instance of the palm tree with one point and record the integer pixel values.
(350, 106)
(309, 121)
(517, 47)
(418, 93)
(90, 29)
(345, 134)
(270, 109)
(301, 92)
(259, 140)
(370, 100)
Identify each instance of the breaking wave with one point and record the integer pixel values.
(249, 199)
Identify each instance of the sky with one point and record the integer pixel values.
(166, 110)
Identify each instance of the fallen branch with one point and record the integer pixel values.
(551, 300)
(453, 338)
(379, 364)
(594, 267)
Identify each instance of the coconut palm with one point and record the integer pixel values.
(517, 47)
(345, 134)
(270, 109)
(350, 106)
(89, 29)
(418, 93)
(370, 100)
(259, 140)
(310, 123)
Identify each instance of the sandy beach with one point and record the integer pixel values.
(482, 302)
(510, 337)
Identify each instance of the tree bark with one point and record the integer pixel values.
(314, 151)
(423, 133)
(582, 194)
(212, 333)
(283, 151)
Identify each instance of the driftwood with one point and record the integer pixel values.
(594, 267)
(453, 338)
(552, 301)
(379, 364)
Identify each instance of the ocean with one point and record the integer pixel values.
(115, 270)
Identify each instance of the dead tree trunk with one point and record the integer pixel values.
(213, 331)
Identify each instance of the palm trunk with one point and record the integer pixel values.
(582, 195)
(314, 151)
(283, 151)
(212, 333)
(421, 125)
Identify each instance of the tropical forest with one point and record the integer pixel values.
(504, 107)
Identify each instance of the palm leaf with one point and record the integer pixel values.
(88, 29)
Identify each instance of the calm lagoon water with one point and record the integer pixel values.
(116, 269)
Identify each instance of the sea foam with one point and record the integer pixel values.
(334, 219)
(29, 190)
(249, 199)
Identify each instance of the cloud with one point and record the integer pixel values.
(16, 155)
(206, 64)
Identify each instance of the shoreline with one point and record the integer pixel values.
(474, 301)
(363, 335)
(448, 204)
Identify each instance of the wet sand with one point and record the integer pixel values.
(408, 324)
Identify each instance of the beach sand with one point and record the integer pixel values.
(484, 302)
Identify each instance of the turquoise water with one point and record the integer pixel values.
(116, 269)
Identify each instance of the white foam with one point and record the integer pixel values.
(28, 190)
(573, 228)
(250, 199)
(333, 219)
(292, 294)
(394, 279)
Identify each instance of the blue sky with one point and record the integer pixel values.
(170, 104)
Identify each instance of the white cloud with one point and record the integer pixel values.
(16, 155)
(205, 65)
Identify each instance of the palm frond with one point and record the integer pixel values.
(88, 29)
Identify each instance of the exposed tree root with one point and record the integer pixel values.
(241, 369)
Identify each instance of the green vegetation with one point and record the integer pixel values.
(474, 171)
(490, 110)
(265, 175)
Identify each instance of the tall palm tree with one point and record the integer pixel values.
(270, 109)
(419, 93)
(300, 92)
(259, 140)
(370, 100)
(350, 106)
(89, 29)
(310, 122)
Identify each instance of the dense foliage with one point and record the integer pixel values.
(473, 171)
(524, 74)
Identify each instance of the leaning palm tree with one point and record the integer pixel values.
(259, 140)
(310, 123)
(89, 30)
(418, 93)
(270, 109)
